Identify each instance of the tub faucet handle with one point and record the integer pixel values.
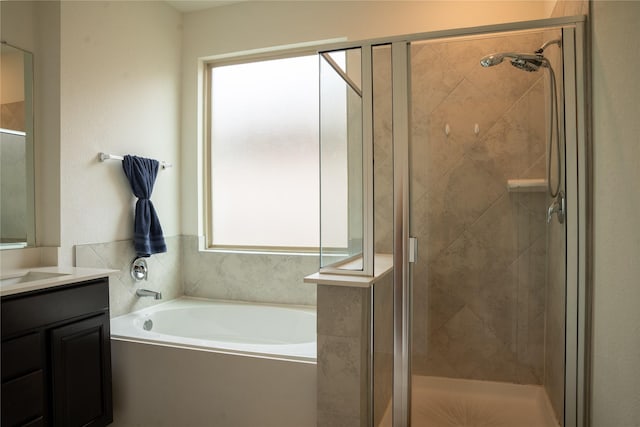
(139, 269)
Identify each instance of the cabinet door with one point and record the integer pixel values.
(81, 373)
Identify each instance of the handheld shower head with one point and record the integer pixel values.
(493, 59)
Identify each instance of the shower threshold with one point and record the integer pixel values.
(446, 402)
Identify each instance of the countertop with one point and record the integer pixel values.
(383, 265)
(64, 276)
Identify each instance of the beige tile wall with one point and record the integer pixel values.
(343, 349)
(350, 358)
(183, 270)
(272, 278)
(165, 272)
(382, 350)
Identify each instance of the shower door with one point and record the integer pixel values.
(494, 309)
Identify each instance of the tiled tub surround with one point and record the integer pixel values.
(165, 272)
(343, 345)
(479, 285)
(259, 277)
(184, 270)
(355, 356)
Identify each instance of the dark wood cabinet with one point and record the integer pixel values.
(56, 357)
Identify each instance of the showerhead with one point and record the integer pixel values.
(523, 61)
(529, 65)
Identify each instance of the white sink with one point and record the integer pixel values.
(29, 276)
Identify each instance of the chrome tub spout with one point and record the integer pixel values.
(148, 293)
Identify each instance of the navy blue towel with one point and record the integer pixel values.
(147, 233)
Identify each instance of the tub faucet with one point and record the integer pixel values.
(148, 293)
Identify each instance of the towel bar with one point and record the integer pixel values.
(104, 156)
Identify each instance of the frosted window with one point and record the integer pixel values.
(264, 153)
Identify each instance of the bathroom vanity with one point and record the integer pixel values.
(56, 352)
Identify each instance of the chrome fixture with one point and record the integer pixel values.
(559, 207)
(139, 269)
(523, 61)
(533, 62)
(547, 44)
(148, 293)
(104, 157)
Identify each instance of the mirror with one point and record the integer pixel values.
(17, 218)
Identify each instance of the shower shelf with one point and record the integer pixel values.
(538, 185)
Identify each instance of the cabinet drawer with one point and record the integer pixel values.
(21, 356)
(26, 312)
(22, 399)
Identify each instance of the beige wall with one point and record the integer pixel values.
(18, 23)
(119, 93)
(47, 123)
(107, 78)
(616, 157)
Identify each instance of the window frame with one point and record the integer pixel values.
(207, 186)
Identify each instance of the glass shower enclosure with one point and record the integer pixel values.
(426, 145)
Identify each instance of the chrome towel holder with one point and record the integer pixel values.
(104, 156)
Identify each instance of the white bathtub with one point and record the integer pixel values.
(219, 363)
(279, 331)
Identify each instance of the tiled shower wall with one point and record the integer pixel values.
(183, 270)
(479, 285)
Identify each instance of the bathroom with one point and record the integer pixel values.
(121, 77)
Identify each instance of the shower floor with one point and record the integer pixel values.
(444, 402)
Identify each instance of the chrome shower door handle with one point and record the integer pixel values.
(413, 249)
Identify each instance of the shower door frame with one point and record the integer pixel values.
(577, 179)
